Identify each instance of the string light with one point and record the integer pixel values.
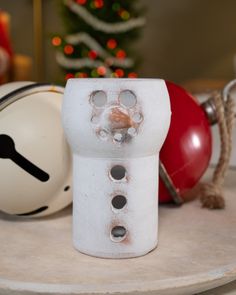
(132, 75)
(125, 15)
(111, 43)
(92, 5)
(95, 59)
(69, 75)
(94, 73)
(101, 70)
(120, 73)
(109, 62)
(81, 2)
(115, 6)
(68, 49)
(56, 41)
(120, 54)
(98, 3)
(92, 54)
(81, 75)
(114, 75)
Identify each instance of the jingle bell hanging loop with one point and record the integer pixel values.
(209, 105)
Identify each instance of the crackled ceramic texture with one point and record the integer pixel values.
(115, 128)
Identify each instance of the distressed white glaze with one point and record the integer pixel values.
(107, 135)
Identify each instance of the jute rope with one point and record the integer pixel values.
(211, 194)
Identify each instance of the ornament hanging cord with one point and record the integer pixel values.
(211, 194)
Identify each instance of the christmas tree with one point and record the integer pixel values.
(98, 39)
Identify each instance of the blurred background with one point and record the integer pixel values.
(191, 42)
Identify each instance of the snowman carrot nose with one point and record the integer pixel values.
(119, 119)
(8, 151)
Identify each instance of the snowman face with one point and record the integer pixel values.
(35, 161)
(115, 117)
(117, 120)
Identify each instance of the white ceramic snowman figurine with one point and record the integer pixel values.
(115, 128)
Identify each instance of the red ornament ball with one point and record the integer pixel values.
(92, 54)
(101, 71)
(120, 73)
(111, 43)
(69, 76)
(68, 49)
(121, 54)
(98, 3)
(132, 75)
(81, 2)
(187, 149)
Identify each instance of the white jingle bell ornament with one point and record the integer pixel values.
(35, 161)
(116, 128)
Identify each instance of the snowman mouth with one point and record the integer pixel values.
(39, 210)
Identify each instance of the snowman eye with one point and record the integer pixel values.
(98, 98)
(127, 98)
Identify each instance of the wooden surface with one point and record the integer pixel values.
(196, 252)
